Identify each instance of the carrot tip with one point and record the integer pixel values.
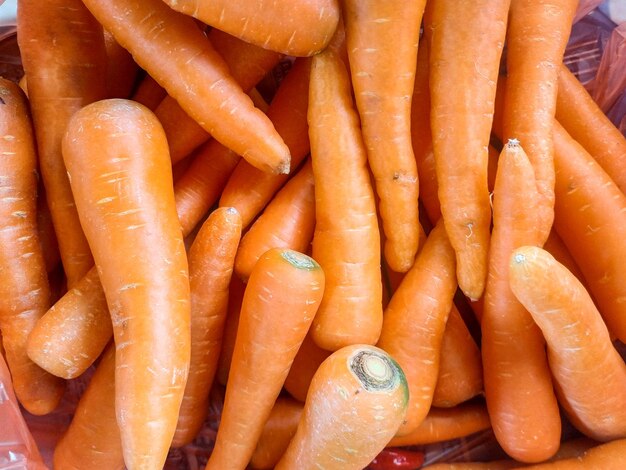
(299, 260)
(285, 167)
(512, 143)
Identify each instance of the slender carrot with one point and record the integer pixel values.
(121, 69)
(125, 199)
(45, 229)
(306, 362)
(281, 298)
(93, 438)
(300, 28)
(347, 240)
(170, 47)
(589, 374)
(536, 37)
(464, 63)
(518, 386)
(211, 259)
(149, 93)
(383, 78)
(64, 57)
(235, 299)
(606, 456)
(364, 389)
(24, 289)
(287, 222)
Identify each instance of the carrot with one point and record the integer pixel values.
(364, 390)
(24, 289)
(287, 222)
(464, 62)
(93, 438)
(121, 69)
(443, 424)
(235, 299)
(382, 78)
(248, 189)
(460, 374)
(300, 28)
(555, 246)
(415, 319)
(45, 230)
(175, 52)
(606, 456)
(346, 241)
(589, 374)
(518, 387)
(125, 199)
(583, 119)
(281, 298)
(306, 362)
(211, 259)
(64, 57)
(590, 219)
(493, 465)
(277, 432)
(149, 93)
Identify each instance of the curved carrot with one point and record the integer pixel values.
(464, 63)
(382, 78)
(235, 299)
(589, 373)
(287, 222)
(518, 386)
(176, 53)
(364, 389)
(536, 38)
(606, 456)
(24, 288)
(281, 298)
(306, 362)
(92, 439)
(64, 57)
(300, 28)
(149, 93)
(415, 319)
(211, 259)
(121, 69)
(346, 242)
(125, 199)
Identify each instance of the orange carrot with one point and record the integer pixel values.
(149, 93)
(606, 456)
(235, 299)
(362, 388)
(45, 229)
(555, 246)
(125, 199)
(383, 78)
(589, 373)
(175, 52)
(121, 69)
(287, 222)
(346, 242)
(24, 289)
(64, 57)
(300, 28)
(464, 63)
(306, 362)
(211, 259)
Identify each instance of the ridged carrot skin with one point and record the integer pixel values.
(125, 199)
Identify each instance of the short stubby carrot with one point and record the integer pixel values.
(125, 199)
(346, 241)
(364, 390)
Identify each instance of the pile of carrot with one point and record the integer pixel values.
(416, 236)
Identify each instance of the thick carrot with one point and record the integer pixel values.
(536, 37)
(583, 119)
(464, 63)
(362, 388)
(64, 57)
(383, 78)
(287, 222)
(211, 259)
(121, 69)
(235, 299)
(248, 189)
(415, 319)
(518, 386)
(24, 289)
(149, 93)
(181, 59)
(306, 362)
(281, 298)
(125, 199)
(297, 28)
(347, 240)
(589, 373)
(93, 438)
(610, 456)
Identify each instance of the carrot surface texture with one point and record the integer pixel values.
(361, 388)
(346, 241)
(282, 296)
(382, 78)
(589, 373)
(125, 199)
(171, 48)
(24, 290)
(609, 456)
(464, 63)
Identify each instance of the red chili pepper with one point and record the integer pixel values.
(397, 459)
